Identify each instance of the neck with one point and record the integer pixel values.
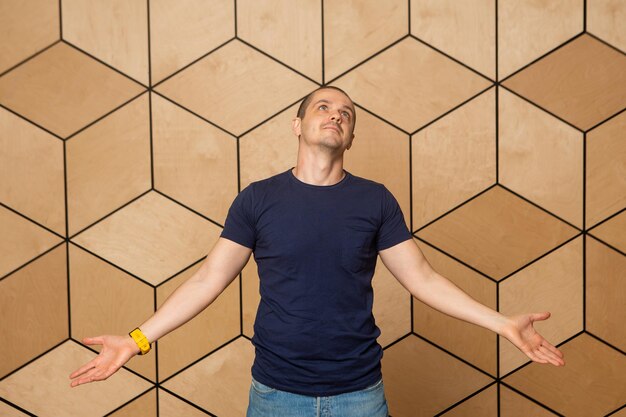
(319, 170)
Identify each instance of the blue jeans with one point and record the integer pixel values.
(270, 402)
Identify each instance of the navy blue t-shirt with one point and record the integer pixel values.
(316, 249)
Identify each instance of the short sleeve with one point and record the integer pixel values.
(240, 221)
(393, 229)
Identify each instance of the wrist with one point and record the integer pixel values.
(142, 344)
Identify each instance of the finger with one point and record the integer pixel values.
(98, 340)
(86, 378)
(89, 365)
(551, 356)
(534, 356)
(552, 348)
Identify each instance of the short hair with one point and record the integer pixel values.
(307, 100)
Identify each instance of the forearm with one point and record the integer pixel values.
(443, 295)
(217, 271)
(407, 263)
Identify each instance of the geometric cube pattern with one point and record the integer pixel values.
(128, 127)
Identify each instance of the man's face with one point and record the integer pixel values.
(328, 121)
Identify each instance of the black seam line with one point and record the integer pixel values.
(404, 336)
(540, 257)
(454, 59)
(188, 208)
(409, 15)
(531, 399)
(584, 283)
(137, 374)
(400, 339)
(456, 207)
(107, 114)
(151, 138)
(529, 361)
(60, 19)
(30, 361)
(599, 339)
(497, 75)
(149, 44)
(129, 401)
(572, 39)
(391, 45)
(411, 302)
(235, 17)
(498, 393)
(24, 265)
(262, 52)
(156, 344)
(456, 259)
(3, 73)
(323, 47)
(465, 361)
(67, 246)
(618, 409)
(584, 15)
(129, 202)
(10, 404)
(379, 117)
(581, 130)
(458, 403)
(498, 347)
(31, 122)
(456, 107)
(246, 337)
(606, 120)
(114, 265)
(30, 220)
(590, 230)
(521, 197)
(185, 269)
(158, 93)
(615, 48)
(104, 63)
(183, 399)
(272, 116)
(158, 400)
(497, 132)
(193, 62)
(584, 182)
(607, 244)
(200, 359)
(240, 277)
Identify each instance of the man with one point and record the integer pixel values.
(316, 232)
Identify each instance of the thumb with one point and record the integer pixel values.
(540, 316)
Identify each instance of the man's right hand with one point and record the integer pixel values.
(116, 351)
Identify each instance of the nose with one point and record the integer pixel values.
(335, 116)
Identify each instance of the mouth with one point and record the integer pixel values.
(333, 127)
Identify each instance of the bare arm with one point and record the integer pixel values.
(218, 270)
(407, 263)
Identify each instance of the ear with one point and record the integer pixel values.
(296, 125)
(350, 143)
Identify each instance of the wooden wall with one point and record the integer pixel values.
(127, 127)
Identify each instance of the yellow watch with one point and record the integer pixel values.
(141, 340)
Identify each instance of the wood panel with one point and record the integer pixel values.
(108, 164)
(63, 90)
(463, 29)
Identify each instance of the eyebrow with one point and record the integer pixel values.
(323, 100)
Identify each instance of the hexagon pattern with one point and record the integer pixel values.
(128, 127)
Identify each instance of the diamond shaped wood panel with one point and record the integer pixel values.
(127, 128)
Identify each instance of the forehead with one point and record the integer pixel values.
(332, 96)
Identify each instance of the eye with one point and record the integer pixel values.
(323, 107)
(346, 114)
